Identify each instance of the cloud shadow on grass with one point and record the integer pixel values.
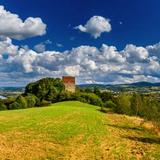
(154, 140)
(126, 127)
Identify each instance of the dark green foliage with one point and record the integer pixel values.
(106, 96)
(44, 103)
(15, 105)
(123, 104)
(97, 91)
(90, 98)
(110, 104)
(8, 101)
(88, 90)
(45, 88)
(22, 101)
(66, 96)
(19, 103)
(135, 104)
(32, 100)
(150, 109)
(3, 106)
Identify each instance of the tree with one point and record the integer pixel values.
(32, 100)
(15, 105)
(123, 104)
(97, 91)
(106, 96)
(136, 104)
(3, 106)
(110, 104)
(88, 90)
(46, 88)
(90, 98)
(22, 101)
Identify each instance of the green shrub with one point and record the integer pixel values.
(32, 100)
(90, 98)
(22, 101)
(66, 96)
(123, 104)
(136, 104)
(3, 106)
(15, 105)
(97, 91)
(106, 96)
(19, 103)
(110, 104)
(9, 101)
(44, 103)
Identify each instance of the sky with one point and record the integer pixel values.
(98, 41)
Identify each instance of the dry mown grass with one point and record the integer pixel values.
(123, 137)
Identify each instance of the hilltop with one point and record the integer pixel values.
(74, 130)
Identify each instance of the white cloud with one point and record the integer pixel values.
(95, 26)
(88, 63)
(110, 53)
(11, 25)
(135, 54)
(40, 48)
(154, 50)
(6, 46)
(72, 70)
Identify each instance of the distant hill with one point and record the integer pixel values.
(137, 84)
(12, 89)
(113, 86)
(145, 84)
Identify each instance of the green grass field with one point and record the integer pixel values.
(74, 131)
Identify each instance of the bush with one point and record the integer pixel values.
(3, 106)
(97, 91)
(8, 101)
(44, 103)
(123, 104)
(110, 104)
(15, 105)
(106, 96)
(66, 96)
(32, 100)
(136, 105)
(22, 101)
(90, 98)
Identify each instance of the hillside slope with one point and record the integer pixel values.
(71, 131)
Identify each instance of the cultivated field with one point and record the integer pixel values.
(74, 131)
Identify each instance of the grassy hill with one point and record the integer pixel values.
(74, 130)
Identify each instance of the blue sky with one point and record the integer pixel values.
(141, 20)
(125, 51)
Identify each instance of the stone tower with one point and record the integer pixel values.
(69, 83)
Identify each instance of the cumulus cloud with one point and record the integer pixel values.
(11, 25)
(6, 46)
(135, 54)
(110, 53)
(88, 63)
(40, 48)
(95, 26)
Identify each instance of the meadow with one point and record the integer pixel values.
(73, 130)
